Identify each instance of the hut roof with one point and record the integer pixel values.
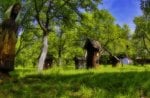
(91, 44)
(95, 44)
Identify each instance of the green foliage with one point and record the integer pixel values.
(141, 36)
(5, 4)
(145, 6)
(28, 48)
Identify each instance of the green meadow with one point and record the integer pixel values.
(66, 82)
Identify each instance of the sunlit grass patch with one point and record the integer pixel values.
(67, 82)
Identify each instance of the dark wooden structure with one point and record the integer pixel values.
(8, 39)
(141, 61)
(114, 60)
(109, 59)
(79, 62)
(48, 61)
(92, 48)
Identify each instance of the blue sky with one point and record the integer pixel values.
(124, 11)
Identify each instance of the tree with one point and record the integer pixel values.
(142, 32)
(50, 13)
(8, 39)
(145, 6)
(141, 36)
(28, 47)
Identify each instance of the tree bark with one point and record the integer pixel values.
(43, 53)
(8, 39)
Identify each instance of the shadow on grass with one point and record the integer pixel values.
(85, 85)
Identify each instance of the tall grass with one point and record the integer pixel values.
(66, 82)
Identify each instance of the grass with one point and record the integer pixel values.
(66, 82)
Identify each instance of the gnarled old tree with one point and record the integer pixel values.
(8, 39)
(56, 13)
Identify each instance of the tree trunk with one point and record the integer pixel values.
(43, 53)
(59, 56)
(8, 39)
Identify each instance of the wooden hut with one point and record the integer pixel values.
(48, 61)
(92, 53)
(79, 62)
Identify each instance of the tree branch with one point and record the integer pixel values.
(38, 16)
(147, 36)
(145, 45)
